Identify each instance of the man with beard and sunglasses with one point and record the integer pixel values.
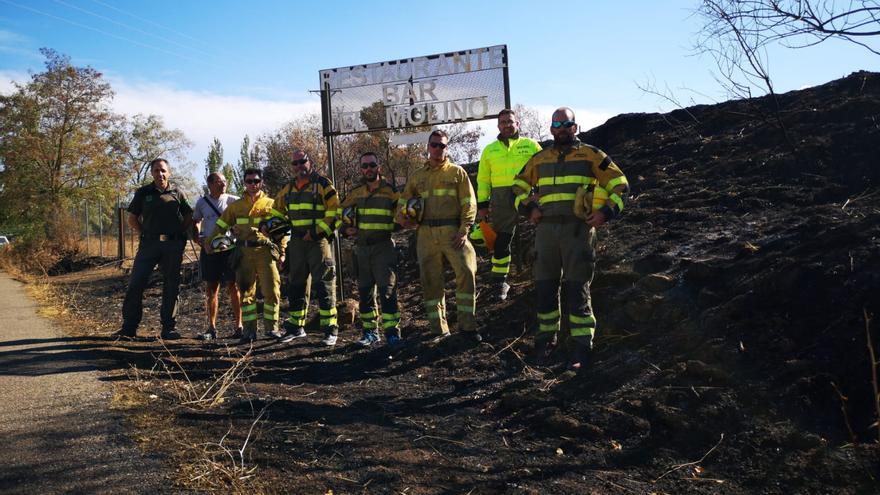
(565, 243)
(309, 202)
(448, 210)
(372, 207)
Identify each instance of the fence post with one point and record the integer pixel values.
(101, 229)
(86, 207)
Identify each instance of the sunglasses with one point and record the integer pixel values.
(301, 161)
(567, 124)
(437, 145)
(253, 181)
(369, 165)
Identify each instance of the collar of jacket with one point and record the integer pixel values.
(171, 187)
(575, 143)
(446, 163)
(260, 194)
(513, 138)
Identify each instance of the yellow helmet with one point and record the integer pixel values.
(222, 243)
(414, 209)
(349, 216)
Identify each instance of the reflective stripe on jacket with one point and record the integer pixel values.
(314, 206)
(558, 173)
(375, 210)
(499, 164)
(447, 193)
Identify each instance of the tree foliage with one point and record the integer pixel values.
(140, 139)
(531, 123)
(55, 146)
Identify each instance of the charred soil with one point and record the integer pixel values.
(731, 354)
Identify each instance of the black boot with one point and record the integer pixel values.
(581, 347)
(544, 344)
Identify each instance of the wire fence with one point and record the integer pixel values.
(103, 231)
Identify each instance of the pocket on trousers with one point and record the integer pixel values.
(329, 271)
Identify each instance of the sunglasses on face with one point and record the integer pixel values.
(301, 161)
(567, 124)
(437, 145)
(369, 165)
(253, 181)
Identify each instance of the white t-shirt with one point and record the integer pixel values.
(207, 215)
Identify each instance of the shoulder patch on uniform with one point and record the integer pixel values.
(329, 194)
(323, 181)
(605, 163)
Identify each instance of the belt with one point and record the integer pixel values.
(441, 222)
(249, 243)
(560, 219)
(163, 237)
(372, 241)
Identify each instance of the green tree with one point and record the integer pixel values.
(55, 148)
(140, 139)
(249, 157)
(215, 158)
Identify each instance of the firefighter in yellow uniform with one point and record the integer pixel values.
(500, 161)
(368, 212)
(257, 255)
(564, 242)
(449, 207)
(309, 202)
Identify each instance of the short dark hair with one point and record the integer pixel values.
(157, 160)
(253, 171)
(369, 153)
(438, 132)
(506, 111)
(213, 176)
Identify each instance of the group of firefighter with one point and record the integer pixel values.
(566, 190)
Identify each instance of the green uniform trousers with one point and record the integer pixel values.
(567, 254)
(376, 271)
(503, 221)
(312, 262)
(433, 246)
(258, 265)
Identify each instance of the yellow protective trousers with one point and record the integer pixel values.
(433, 246)
(258, 265)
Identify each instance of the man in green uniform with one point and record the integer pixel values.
(564, 243)
(373, 206)
(160, 214)
(499, 163)
(449, 208)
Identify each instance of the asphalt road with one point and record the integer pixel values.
(57, 434)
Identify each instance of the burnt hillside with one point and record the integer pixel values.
(730, 297)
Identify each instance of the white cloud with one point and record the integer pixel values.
(8, 78)
(203, 115)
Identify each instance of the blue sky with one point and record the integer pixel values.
(224, 68)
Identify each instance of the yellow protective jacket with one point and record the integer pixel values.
(447, 193)
(243, 218)
(312, 208)
(557, 173)
(499, 164)
(375, 211)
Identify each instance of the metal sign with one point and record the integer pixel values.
(437, 89)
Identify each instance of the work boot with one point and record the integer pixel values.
(544, 344)
(370, 337)
(210, 334)
(293, 334)
(237, 333)
(124, 334)
(439, 338)
(474, 336)
(329, 340)
(393, 340)
(275, 333)
(501, 291)
(169, 334)
(248, 338)
(581, 347)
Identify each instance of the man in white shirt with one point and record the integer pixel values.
(215, 267)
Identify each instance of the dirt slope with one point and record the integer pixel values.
(730, 300)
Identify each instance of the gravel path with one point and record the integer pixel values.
(57, 432)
